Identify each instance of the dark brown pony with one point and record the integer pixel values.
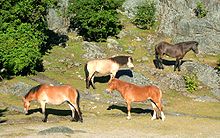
(133, 93)
(177, 51)
(56, 95)
(103, 67)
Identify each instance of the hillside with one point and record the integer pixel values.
(195, 114)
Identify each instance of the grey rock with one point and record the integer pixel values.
(59, 129)
(56, 18)
(93, 51)
(178, 21)
(113, 44)
(206, 74)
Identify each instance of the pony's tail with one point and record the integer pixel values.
(160, 99)
(87, 75)
(78, 101)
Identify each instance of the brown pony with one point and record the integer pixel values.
(177, 51)
(55, 95)
(103, 67)
(133, 93)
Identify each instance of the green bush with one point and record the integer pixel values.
(95, 19)
(145, 17)
(200, 10)
(191, 82)
(22, 34)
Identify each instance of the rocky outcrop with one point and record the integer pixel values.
(93, 51)
(178, 21)
(56, 18)
(205, 74)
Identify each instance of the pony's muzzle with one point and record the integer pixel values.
(108, 91)
(25, 111)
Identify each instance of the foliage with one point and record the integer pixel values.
(145, 17)
(95, 19)
(200, 10)
(191, 82)
(22, 33)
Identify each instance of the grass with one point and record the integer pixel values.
(56, 67)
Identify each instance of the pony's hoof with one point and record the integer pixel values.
(163, 118)
(128, 117)
(45, 121)
(74, 120)
(153, 118)
(81, 120)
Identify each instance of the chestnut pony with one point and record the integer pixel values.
(177, 51)
(103, 67)
(56, 95)
(133, 93)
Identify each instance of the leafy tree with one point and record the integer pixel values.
(145, 17)
(22, 34)
(95, 19)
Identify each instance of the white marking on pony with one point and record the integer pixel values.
(162, 116)
(154, 108)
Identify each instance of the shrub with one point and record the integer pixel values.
(200, 10)
(191, 82)
(145, 17)
(22, 34)
(95, 19)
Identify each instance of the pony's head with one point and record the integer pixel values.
(130, 62)
(195, 47)
(123, 60)
(26, 105)
(111, 85)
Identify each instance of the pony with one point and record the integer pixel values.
(56, 95)
(104, 67)
(177, 51)
(134, 93)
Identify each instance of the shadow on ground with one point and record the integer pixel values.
(133, 110)
(105, 79)
(2, 114)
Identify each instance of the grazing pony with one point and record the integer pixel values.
(55, 95)
(103, 67)
(133, 93)
(177, 51)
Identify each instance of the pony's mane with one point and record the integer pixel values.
(33, 90)
(187, 43)
(121, 60)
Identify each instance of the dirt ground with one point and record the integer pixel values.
(101, 122)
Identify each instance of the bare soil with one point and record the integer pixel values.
(106, 120)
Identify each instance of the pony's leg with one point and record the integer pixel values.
(129, 110)
(176, 64)
(155, 113)
(43, 108)
(78, 112)
(74, 107)
(92, 82)
(162, 116)
(160, 62)
(73, 111)
(159, 105)
(179, 63)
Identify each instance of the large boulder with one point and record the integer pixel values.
(205, 74)
(56, 18)
(178, 21)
